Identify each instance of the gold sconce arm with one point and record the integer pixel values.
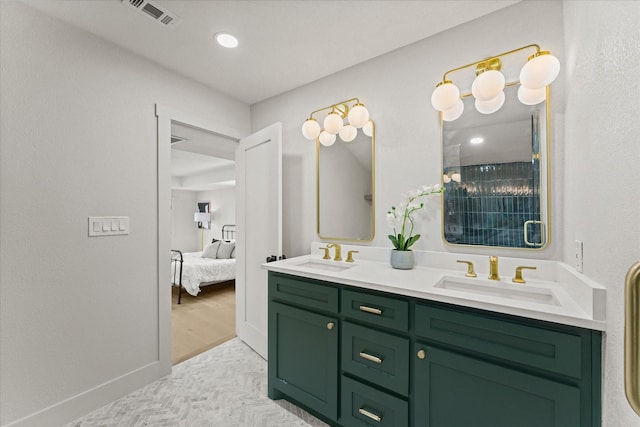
(340, 107)
(489, 63)
(632, 337)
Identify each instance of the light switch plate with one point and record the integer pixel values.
(578, 251)
(108, 225)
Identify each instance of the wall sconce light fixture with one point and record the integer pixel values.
(353, 110)
(540, 70)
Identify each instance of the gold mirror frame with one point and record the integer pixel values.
(339, 208)
(544, 156)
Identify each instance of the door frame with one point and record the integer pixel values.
(165, 115)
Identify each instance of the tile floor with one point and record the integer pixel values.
(223, 387)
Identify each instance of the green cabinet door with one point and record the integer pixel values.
(303, 358)
(455, 390)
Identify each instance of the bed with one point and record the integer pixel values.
(192, 270)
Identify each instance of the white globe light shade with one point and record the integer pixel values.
(358, 116)
(490, 106)
(446, 179)
(333, 123)
(488, 85)
(367, 129)
(348, 133)
(327, 139)
(539, 71)
(445, 96)
(453, 113)
(311, 129)
(456, 177)
(532, 96)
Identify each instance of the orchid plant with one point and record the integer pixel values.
(401, 216)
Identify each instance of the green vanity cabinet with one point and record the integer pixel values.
(303, 344)
(393, 360)
(503, 370)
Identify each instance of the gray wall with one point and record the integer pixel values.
(79, 316)
(602, 165)
(396, 88)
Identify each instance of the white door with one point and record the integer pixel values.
(259, 229)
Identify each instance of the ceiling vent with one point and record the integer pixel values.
(160, 14)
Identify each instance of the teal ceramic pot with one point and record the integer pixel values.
(402, 260)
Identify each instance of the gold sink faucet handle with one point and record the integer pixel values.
(326, 253)
(350, 256)
(338, 256)
(518, 278)
(470, 272)
(493, 268)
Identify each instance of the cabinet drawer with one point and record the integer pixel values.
(365, 406)
(377, 310)
(554, 351)
(303, 293)
(378, 357)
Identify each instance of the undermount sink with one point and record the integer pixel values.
(499, 289)
(332, 266)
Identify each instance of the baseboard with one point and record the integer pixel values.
(81, 404)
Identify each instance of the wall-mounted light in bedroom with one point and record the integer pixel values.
(202, 219)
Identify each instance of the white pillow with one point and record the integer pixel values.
(225, 249)
(233, 253)
(211, 250)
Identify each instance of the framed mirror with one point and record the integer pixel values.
(345, 188)
(496, 175)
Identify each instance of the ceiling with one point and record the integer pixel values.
(283, 44)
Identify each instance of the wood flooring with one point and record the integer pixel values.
(202, 322)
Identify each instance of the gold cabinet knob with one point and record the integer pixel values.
(422, 354)
(330, 325)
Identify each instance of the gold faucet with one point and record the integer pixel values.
(350, 256)
(493, 268)
(518, 278)
(326, 253)
(470, 272)
(338, 256)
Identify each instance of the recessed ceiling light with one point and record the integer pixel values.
(226, 40)
(476, 140)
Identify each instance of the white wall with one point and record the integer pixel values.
(595, 150)
(185, 235)
(396, 88)
(223, 209)
(602, 160)
(79, 316)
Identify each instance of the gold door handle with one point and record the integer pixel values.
(422, 354)
(330, 325)
(370, 310)
(371, 357)
(631, 341)
(375, 417)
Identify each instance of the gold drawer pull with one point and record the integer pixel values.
(371, 357)
(330, 325)
(374, 417)
(422, 354)
(371, 310)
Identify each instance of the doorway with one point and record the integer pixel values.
(202, 182)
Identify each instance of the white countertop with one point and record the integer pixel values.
(565, 297)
